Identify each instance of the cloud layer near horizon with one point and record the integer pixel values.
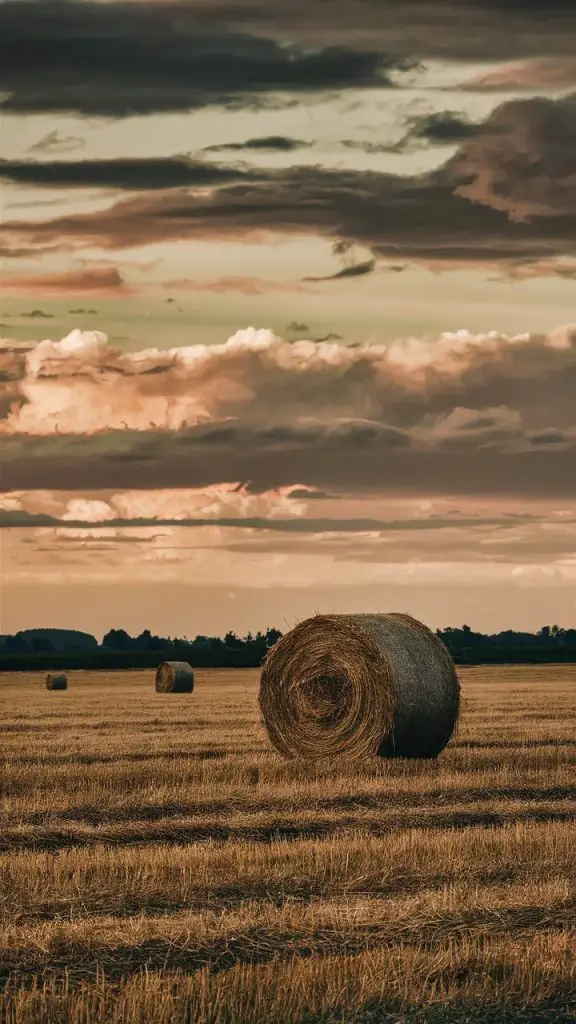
(423, 547)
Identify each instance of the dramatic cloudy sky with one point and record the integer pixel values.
(287, 312)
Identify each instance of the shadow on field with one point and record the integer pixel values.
(560, 1011)
(156, 725)
(92, 814)
(172, 833)
(257, 945)
(511, 744)
(278, 894)
(75, 758)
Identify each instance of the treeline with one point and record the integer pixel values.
(48, 649)
(549, 644)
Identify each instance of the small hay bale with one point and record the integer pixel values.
(174, 677)
(359, 686)
(56, 682)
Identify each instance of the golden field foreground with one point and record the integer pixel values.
(160, 863)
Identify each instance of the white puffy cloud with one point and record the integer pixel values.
(219, 501)
(88, 511)
(83, 385)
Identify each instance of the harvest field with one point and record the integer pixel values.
(160, 863)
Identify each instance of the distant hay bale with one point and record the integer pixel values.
(56, 682)
(359, 686)
(174, 677)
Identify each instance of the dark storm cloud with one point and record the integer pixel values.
(143, 174)
(444, 128)
(421, 219)
(273, 143)
(54, 142)
(373, 148)
(12, 252)
(522, 160)
(121, 59)
(134, 58)
(475, 30)
(507, 197)
(310, 494)
(298, 327)
(356, 270)
(22, 519)
(154, 462)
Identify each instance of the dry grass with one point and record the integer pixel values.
(159, 863)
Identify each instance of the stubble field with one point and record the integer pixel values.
(159, 863)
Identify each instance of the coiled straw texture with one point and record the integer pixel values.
(174, 677)
(56, 682)
(359, 686)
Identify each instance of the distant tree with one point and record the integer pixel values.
(217, 648)
(118, 640)
(233, 641)
(16, 645)
(63, 639)
(147, 642)
(256, 648)
(201, 641)
(272, 636)
(41, 645)
(40, 648)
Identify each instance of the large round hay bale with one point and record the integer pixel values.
(174, 677)
(56, 681)
(359, 685)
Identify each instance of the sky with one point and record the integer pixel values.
(287, 313)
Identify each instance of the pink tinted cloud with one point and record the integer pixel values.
(547, 74)
(83, 385)
(92, 280)
(217, 501)
(245, 285)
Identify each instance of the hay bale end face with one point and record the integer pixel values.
(56, 682)
(359, 686)
(174, 677)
